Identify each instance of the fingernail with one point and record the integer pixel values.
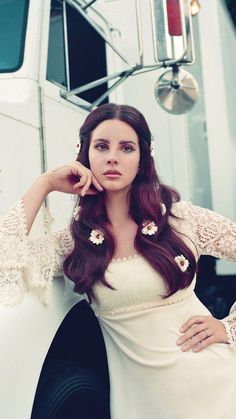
(179, 341)
(181, 329)
(194, 350)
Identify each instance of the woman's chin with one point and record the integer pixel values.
(116, 188)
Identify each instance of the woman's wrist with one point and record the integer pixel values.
(45, 183)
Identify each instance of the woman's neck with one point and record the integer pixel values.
(117, 208)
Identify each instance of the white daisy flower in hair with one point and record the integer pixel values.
(152, 152)
(163, 208)
(182, 262)
(149, 228)
(78, 147)
(76, 213)
(96, 236)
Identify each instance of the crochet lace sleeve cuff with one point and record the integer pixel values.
(29, 262)
(230, 326)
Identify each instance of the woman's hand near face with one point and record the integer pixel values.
(74, 178)
(200, 332)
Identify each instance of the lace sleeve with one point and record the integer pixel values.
(230, 326)
(63, 246)
(212, 233)
(29, 262)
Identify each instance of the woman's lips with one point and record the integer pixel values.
(112, 174)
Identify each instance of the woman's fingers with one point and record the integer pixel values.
(82, 181)
(204, 344)
(96, 184)
(196, 340)
(84, 185)
(86, 180)
(191, 321)
(74, 178)
(191, 332)
(200, 332)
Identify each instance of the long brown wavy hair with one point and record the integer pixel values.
(87, 263)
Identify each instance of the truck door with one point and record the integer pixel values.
(75, 55)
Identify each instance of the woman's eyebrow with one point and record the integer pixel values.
(127, 141)
(120, 142)
(101, 139)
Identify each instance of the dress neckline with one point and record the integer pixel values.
(125, 258)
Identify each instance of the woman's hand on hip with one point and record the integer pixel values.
(200, 332)
(73, 178)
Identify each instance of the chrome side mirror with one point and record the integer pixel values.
(176, 90)
(172, 31)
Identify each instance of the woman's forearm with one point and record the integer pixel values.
(34, 198)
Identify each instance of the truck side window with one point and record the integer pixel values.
(86, 58)
(13, 22)
(56, 66)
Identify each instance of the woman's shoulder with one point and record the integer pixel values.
(180, 209)
(185, 209)
(185, 215)
(197, 216)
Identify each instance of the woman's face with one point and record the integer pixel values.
(114, 154)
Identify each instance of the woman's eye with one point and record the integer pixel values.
(101, 146)
(128, 148)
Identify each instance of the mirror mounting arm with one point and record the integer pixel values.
(89, 4)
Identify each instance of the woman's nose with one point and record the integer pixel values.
(112, 157)
(112, 160)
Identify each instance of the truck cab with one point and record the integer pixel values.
(46, 47)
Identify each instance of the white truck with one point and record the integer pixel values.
(48, 47)
(39, 129)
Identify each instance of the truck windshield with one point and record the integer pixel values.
(13, 19)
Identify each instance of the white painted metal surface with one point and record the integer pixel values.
(31, 110)
(32, 114)
(218, 98)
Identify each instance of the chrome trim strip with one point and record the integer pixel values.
(139, 30)
(66, 46)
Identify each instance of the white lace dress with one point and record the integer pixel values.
(150, 376)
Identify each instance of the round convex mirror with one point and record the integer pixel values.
(176, 91)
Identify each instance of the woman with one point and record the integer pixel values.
(132, 251)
